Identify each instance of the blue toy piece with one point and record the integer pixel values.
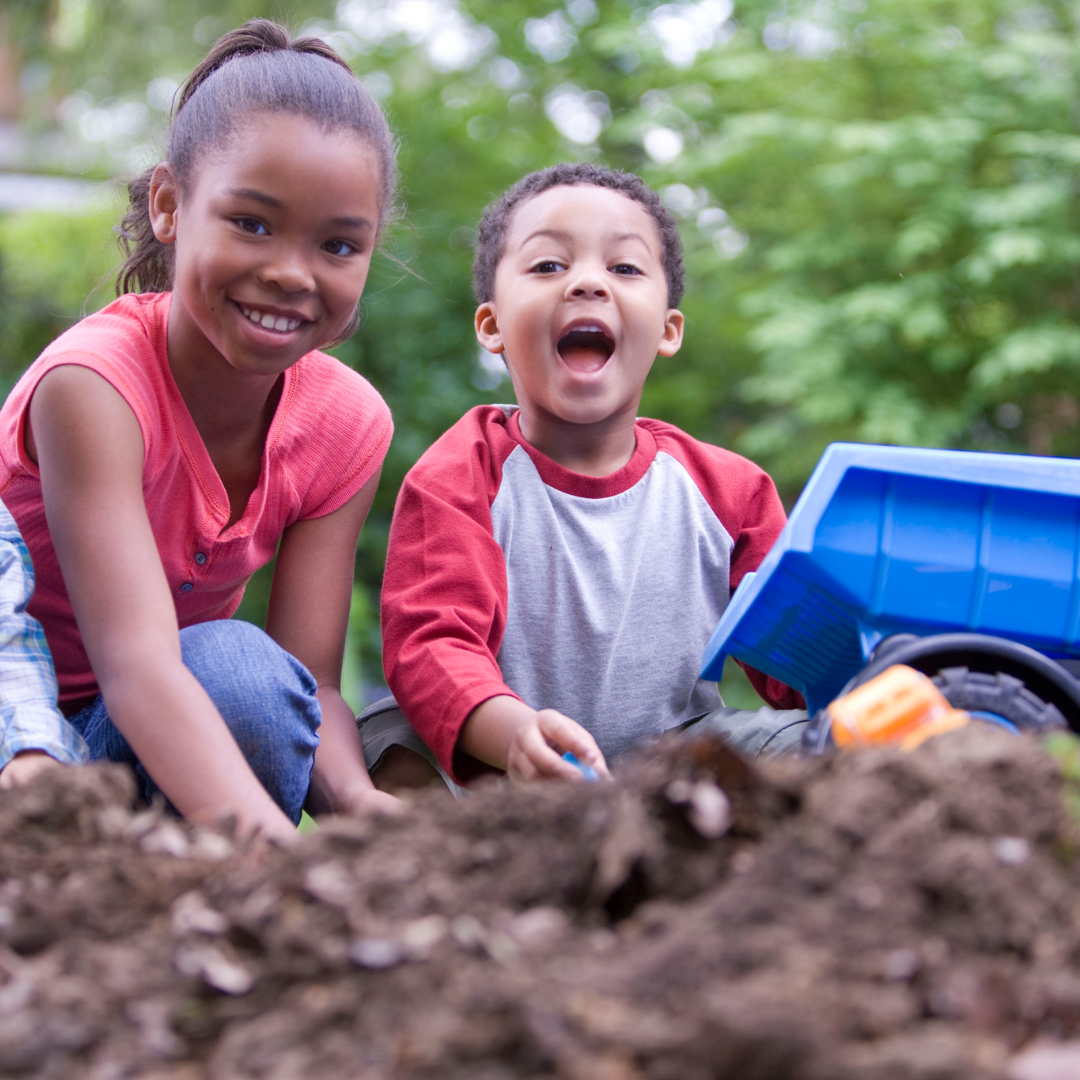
(587, 771)
(888, 540)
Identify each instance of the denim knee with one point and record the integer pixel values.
(266, 698)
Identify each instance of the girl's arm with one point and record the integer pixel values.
(89, 449)
(308, 617)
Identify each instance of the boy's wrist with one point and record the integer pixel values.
(489, 729)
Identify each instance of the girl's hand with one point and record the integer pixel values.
(373, 801)
(26, 767)
(529, 745)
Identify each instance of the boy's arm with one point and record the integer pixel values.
(444, 598)
(31, 725)
(744, 499)
(443, 614)
(528, 744)
(443, 610)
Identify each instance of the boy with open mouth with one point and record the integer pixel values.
(556, 568)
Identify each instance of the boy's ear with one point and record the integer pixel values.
(671, 341)
(164, 203)
(487, 328)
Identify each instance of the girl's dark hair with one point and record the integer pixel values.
(255, 68)
(491, 232)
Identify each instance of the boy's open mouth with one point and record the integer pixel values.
(585, 348)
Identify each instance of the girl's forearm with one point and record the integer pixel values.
(187, 749)
(339, 778)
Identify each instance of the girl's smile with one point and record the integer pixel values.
(273, 242)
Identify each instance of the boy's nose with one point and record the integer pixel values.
(587, 285)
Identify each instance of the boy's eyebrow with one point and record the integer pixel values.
(559, 234)
(270, 200)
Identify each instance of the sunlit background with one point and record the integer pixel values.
(878, 200)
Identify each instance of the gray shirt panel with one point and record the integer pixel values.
(611, 601)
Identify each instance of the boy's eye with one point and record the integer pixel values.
(251, 225)
(547, 266)
(339, 247)
(625, 269)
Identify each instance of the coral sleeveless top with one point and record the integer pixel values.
(328, 437)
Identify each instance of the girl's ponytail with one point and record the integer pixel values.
(277, 74)
(147, 263)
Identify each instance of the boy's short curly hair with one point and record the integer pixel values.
(491, 232)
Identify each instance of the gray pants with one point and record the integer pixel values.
(762, 733)
(771, 733)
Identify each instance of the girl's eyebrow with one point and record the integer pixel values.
(269, 200)
(257, 196)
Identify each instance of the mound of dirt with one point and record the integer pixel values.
(877, 914)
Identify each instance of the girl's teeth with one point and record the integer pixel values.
(270, 322)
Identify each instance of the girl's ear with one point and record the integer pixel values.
(671, 340)
(164, 203)
(487, 328)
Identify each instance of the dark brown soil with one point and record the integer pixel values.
(876, 915)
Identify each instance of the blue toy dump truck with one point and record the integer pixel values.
(964, 566)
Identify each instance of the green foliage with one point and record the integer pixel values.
(1064, 747)
(49, 267)
(878, 199)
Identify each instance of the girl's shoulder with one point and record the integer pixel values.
(333, 432)
(123, 342)
(329, 402)
(132, 325)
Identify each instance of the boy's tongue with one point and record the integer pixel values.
(585, 351)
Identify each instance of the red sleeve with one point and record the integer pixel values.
(444, 594)
(744, 498)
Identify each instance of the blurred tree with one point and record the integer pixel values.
(881, 222)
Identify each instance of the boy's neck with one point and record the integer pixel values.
(598, 449)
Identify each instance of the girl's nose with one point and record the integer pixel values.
(289, 271)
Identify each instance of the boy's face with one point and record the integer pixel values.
(580, 308)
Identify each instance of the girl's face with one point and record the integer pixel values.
(273, 240)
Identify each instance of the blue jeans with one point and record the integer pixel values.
(265, 696)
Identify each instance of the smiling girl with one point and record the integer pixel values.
(163, 449)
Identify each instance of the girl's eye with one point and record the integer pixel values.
(252, 225)
(339, 247)
(625, 269)
(548, 266)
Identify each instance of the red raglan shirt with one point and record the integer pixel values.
(595, 596)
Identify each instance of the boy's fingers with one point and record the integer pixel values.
(543, 762)
(567, 734)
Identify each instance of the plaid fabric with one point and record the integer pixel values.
(29, 717)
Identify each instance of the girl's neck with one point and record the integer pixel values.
(598, 449)
(226, 404)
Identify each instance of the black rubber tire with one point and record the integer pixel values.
(1001, 694)
(975, 672)
(1046, 679)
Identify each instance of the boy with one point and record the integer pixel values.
(555, 570)
(33, 732)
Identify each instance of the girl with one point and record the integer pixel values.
(163, 449)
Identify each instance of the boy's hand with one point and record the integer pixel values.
(531, 755)
(529, 745)
(25, 767)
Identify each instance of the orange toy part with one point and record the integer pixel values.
(901, 705)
